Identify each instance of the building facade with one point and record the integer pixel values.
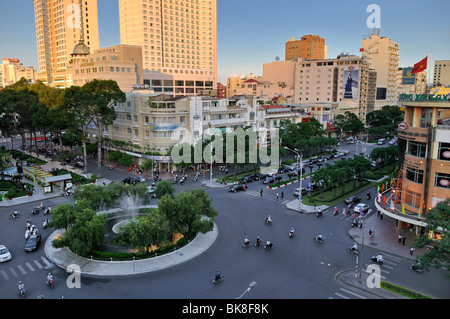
(309, 47)
(408, 83)
(122, 63)
(11, 71)
(441, 76)
(424, 160)
(382, 56)
(60, 25)
(178, 38)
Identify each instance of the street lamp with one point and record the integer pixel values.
(300, 165)
(252, 284)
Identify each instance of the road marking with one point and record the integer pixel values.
(4, 275)
(13, 272)
(394, 258)
(46, 261)
(38, 264)
(21, 269)
(352, 293)
(29, 266)
(342, 296)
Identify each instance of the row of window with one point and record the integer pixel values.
(441, 180)
(419, 149)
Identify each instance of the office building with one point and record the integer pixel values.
(309, 47)
(11, 71)
(60, 26)
(441, 76)
(178, 40)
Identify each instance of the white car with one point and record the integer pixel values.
(5, 254)
(361, 208)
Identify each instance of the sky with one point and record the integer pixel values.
(251, 33)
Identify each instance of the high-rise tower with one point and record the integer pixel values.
(58, 31)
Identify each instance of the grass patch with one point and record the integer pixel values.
(328, 195)
(402, 291)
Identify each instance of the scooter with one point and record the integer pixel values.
(47, 211)
(319, 214)
(22, 293)
(50, 283)
(269, 246)
(375, 260)
(354, 223)
(352, 250)
(258, 243)
(316, 238)
(35, 211)
(44, 224)
(246, 244)
(13, 216)
(216, 279)
(268, 221)
(291, 234)
(416, 268)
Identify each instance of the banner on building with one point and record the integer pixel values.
(351, 82)
(408, 78)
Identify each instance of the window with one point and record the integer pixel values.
(412, 199)
(444, 152)
(414, 175)
(442, 180)
(425, 119)
(417, 149)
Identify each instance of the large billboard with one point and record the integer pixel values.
(351, 82)
(408, 78)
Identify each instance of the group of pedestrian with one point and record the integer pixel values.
(401, 239)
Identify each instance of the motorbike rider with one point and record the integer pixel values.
(49, 278)
(379, 258)
(15, 214)
(319, 212)
(217, 276)
(21, 287)
(41, 206)
(45, 223)
(354, 247)
(368, 195)
(268, 243)
(319, 237)
(268, 219)
(246, 241)
(258, 240)
(292, 231)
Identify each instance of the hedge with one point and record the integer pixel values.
(402, 291)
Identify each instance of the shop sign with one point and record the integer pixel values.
(402, 126)
(446, 154)
(444, 182)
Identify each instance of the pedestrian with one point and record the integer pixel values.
(378, 213)
(400, 237)
(335, 210)
(315, 206)
(277, 195)
(371, 234)
(381, 215)
(104, 182)
(411, 251)
(353, 216)
(403, 240)
(261, 192)
(361, 224)
(343, 211)
(282, 195)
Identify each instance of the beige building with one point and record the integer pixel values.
(11, 71)
(441, 75)
(309, 47)
(382, 56)
(178, 38)
(408, 83)
(60, 24)
(122, 63)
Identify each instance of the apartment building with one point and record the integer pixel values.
(60, 26)
(382, 56)
(11, 71)
(178, 38)
(408, 83)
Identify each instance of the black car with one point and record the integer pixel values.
(33, 242)
(283, 170)
(131, 180)
(237, 188)
(269, 180)
(249, 179)
(296, 172)
(352, 200)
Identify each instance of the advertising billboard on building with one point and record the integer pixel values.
(351, 82)
(408, 78)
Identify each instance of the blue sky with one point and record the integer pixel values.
(253, 32)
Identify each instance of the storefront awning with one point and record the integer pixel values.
(59, 178)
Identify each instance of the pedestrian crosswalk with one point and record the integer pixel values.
(28, 267)
(347, 294)
(268, 196)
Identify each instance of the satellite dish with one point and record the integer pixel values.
(277, 58)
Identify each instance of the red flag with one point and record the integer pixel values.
(384, 200)
(361, 50)
(382, 187)
(420, 66)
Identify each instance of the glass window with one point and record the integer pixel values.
(414, 175)
(417, 149)
(442, 180)
(444, 152)
(412, 199)
(425, 119)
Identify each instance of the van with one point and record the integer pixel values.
(393, 141)
(381, 141)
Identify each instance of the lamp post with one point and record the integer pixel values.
(300, 165)
(252, 284)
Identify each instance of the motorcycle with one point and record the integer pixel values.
(354, 223)
(416, 268)
(352, 250)
(35, 211)
(375, 260)
(50, 283)
(316, 238)
(14, 215)
(47, 211)
(291, 234)
(319, 214)
(258, 243)
(22, 292)
(368, 195)
(268, 246)
(44, 224)
(246, 243)
(217, 279)
(268, 221)
(67, 193)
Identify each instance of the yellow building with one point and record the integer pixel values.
(178, 38)
(12, 71)
(60, 25)
(309, 47)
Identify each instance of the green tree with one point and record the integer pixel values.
(164, 187)
(438, 222)
(349, 122)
